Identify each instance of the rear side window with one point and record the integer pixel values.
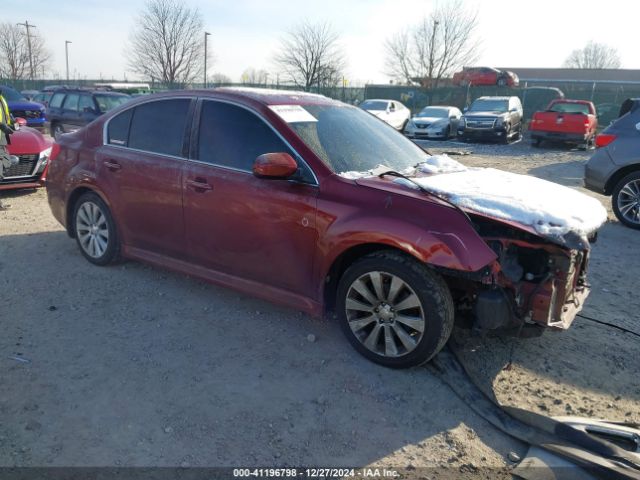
(234, 137)
(56, 100)
(86, 101)
(159, 126)
(71, 102)
(118, 130)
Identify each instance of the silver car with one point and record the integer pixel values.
(434, 122)
(615, 167)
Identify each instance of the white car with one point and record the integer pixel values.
(434, 122)
(391, 111)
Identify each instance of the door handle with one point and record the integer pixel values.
(111, 165)
(199, 185)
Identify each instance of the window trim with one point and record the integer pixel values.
(185, 134)
(195, 140)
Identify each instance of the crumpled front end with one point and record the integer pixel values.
(533, 281)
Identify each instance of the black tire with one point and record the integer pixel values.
(536, 142)
(507, 132)
(56, 130)
(110, 253)
(633, 177)
(436, 307)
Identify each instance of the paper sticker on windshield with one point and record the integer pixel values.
(292, 113)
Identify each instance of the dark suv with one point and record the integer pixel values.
(497, 118)
(70, 109)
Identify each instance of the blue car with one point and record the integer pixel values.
(32, 112)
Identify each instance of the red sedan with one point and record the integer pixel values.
(263, 191)
(32, 150)
(485, 76)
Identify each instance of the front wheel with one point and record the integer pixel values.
(394, 310)
(625, 200)
(56, 131)
(95, 230)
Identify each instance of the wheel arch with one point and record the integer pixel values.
(342, 262)
(619, 175)
(71, 203)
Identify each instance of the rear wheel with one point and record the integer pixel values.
(536, 142)
(56, 130)
(394, 310)
(625, 200)
(95, 230)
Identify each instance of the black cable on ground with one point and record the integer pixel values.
(601, 322)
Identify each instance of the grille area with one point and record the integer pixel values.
(26, 114)
(24, 168)
(481, 122)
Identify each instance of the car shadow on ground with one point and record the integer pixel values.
(132, 365)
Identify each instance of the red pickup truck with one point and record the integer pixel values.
(568, 121)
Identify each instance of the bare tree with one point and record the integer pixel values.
(593, 55)
(218, 78)
(441, 43)
(310, 56)
(14, 53)
(255, 77)
(167, 44)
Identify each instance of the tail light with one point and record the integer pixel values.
(604, 139)
(55, 151)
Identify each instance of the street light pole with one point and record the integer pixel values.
(66, 53)
(206, 34)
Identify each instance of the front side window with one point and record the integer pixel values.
(234, 137)
(159, 126)
(71, 102)
(56, 100)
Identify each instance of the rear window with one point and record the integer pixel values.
(374, 105)
(570, 108)
(56, 100)
(159, 126)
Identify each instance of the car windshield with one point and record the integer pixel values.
(348, 139)
(570, 108)
(487, 105)
(11, 95)
(374, 105)
(109, 102)
(434, 112)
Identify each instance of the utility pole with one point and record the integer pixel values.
(28, 26)
(206, 34)
(66, 54)
(432, 52)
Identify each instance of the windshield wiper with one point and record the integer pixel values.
(393, 173)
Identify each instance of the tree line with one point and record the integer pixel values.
(167, 46)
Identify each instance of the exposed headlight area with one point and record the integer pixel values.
(43, 159)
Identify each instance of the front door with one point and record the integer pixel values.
(140, 170)
(238, 224)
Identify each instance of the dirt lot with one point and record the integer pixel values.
(131, 365)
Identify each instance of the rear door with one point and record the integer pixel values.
(256, 229)
(140, 172)
(70, 115)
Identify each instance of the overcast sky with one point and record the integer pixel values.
(246, 33)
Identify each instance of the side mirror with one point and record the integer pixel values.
(275, 166)
(20, 122)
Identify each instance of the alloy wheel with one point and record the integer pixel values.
(92, 229)
(629, 202)
(385, 314)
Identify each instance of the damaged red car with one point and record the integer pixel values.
(316, 205)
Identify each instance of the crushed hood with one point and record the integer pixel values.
(558, 213)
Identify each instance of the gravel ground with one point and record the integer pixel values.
(136, 366)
